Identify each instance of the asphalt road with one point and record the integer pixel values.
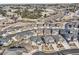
(62, 52)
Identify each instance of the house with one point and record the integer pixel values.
(3, 41)
(48, 39)
(37, 40)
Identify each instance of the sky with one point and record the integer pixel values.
(36, 1)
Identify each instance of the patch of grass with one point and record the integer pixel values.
(1, 36)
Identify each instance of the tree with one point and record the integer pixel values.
(31, 14)
(45, 15)
(18, 12)
(3, 12)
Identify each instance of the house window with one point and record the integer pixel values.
(70, 26)
(78, 26)
(78, 33)
(69, 32)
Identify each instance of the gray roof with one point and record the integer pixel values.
(20, 34)
(36, 39)
(48, 39)
(4, 39)
(56, 38)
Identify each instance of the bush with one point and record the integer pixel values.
(31, 14)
